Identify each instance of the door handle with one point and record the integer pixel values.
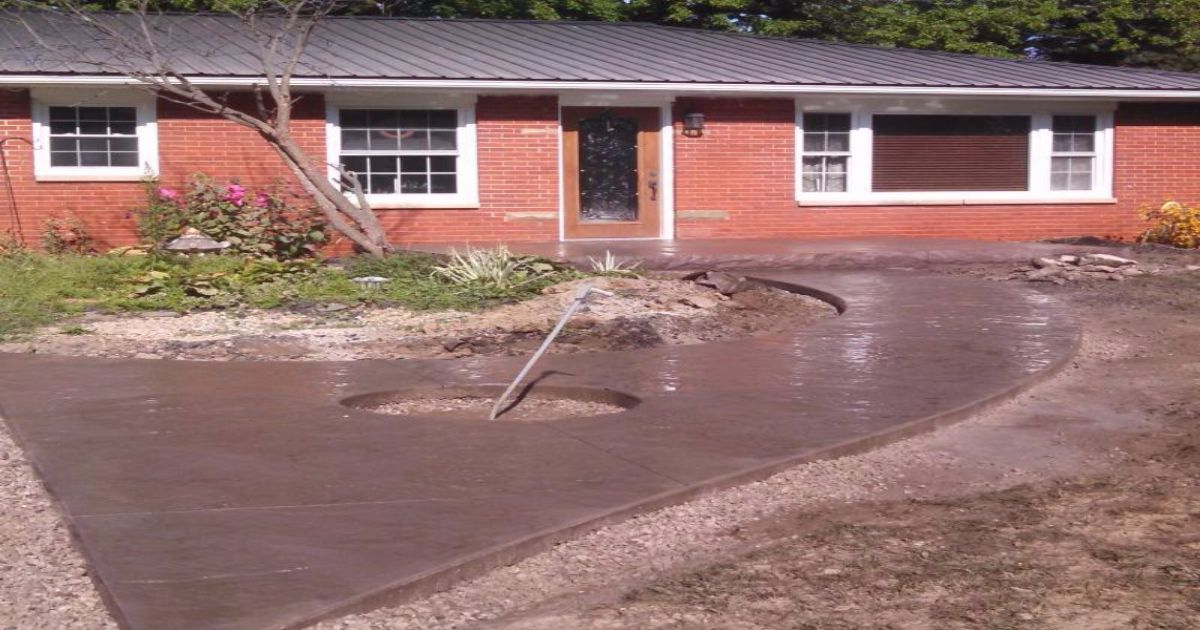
(653, 184)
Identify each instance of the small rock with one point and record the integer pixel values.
(1068, 259)
(331, 307)
(699, 301)
(1044, 275)
(1116, 277)
(429, 328)
(1107, 259)
(1100, 268)
(1132, 272)
(145, 355)
(1192, 267)
(1045, 263)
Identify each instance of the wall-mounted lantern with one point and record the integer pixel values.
(693, 124)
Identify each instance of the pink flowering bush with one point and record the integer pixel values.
(267, 224)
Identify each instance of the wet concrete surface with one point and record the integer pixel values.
(243, 495)
(830, 253)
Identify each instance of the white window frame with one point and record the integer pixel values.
(848, 153)
(467, 195)
(862, 112)
(43, 99)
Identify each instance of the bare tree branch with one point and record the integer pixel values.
(277, 32)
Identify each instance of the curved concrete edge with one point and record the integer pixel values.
(482, 562)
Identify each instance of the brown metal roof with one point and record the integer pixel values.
(391, 48)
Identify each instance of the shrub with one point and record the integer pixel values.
(256, 223)
(66, 235)
(1173, 224)
(497, 269)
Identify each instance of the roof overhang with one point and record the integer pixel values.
(744, 89)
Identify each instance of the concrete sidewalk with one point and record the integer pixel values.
(244, 496)
(873, 253)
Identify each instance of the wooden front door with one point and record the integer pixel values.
(611, 172)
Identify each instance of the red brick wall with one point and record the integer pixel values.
(518, 163)
(744, 165)
(518, 173)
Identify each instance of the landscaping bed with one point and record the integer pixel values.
(228, 308)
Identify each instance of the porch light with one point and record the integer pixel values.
(693, 124)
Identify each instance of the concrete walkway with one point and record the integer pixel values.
(831, 253)
(242, 495)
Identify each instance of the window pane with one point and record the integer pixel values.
(813, 164)
(838, 142)
(413, 164)
(355, 164)
(1081, 181)
(93, 159)
(414, 140)
(62, 113)
(443, 184)
(91, 127)
(123, 144)
(414, 184)
(835, 164)
(383, 140)
(1083, 143)
(93, 144)
(354, 140)
(1074, 124)
(64, 144)
(814, 142)
(442, 140)
(382, 184)
(124, 159)
(62, 126)
(380, 118)
(411, 118)
(63, 159)
(382, 164)
(121, 127)
(1058, 181)
(827, 122)
(353, 118)
(835, 183)
(93, 113)
(1062, 142)
(443, 164)
(443, 119)
(128, 114)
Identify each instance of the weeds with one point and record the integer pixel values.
(612, 266)
(38, 289)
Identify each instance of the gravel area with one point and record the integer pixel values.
(44, 583)
(474, 407)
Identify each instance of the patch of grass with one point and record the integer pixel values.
(38, 289)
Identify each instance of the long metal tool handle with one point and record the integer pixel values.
(580, 297)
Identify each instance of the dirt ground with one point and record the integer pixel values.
(1082, 511)
(643, 312)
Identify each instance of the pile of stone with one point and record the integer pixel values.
(1070, 268)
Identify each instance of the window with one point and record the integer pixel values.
(93, 136)
(914, 151)
(81, 135)
(1073, 152)
(401, 151)
(826, 153)
(950, 153)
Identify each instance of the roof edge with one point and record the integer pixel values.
(689, 89)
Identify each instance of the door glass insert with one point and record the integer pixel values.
(608, 152)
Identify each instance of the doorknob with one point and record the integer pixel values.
(653, 184)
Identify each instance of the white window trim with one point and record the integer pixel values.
(468, 153)
(862, 111)
(147, 134)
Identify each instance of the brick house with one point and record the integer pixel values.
(526, 131)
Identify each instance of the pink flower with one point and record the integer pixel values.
(168, 194)
(235, 194)
(262, 200)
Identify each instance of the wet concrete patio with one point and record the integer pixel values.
(829, 253)
(243, 495)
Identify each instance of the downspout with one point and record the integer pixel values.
(15, 228)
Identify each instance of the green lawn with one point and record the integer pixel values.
(39, 289)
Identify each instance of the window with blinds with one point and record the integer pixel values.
(950, 153)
